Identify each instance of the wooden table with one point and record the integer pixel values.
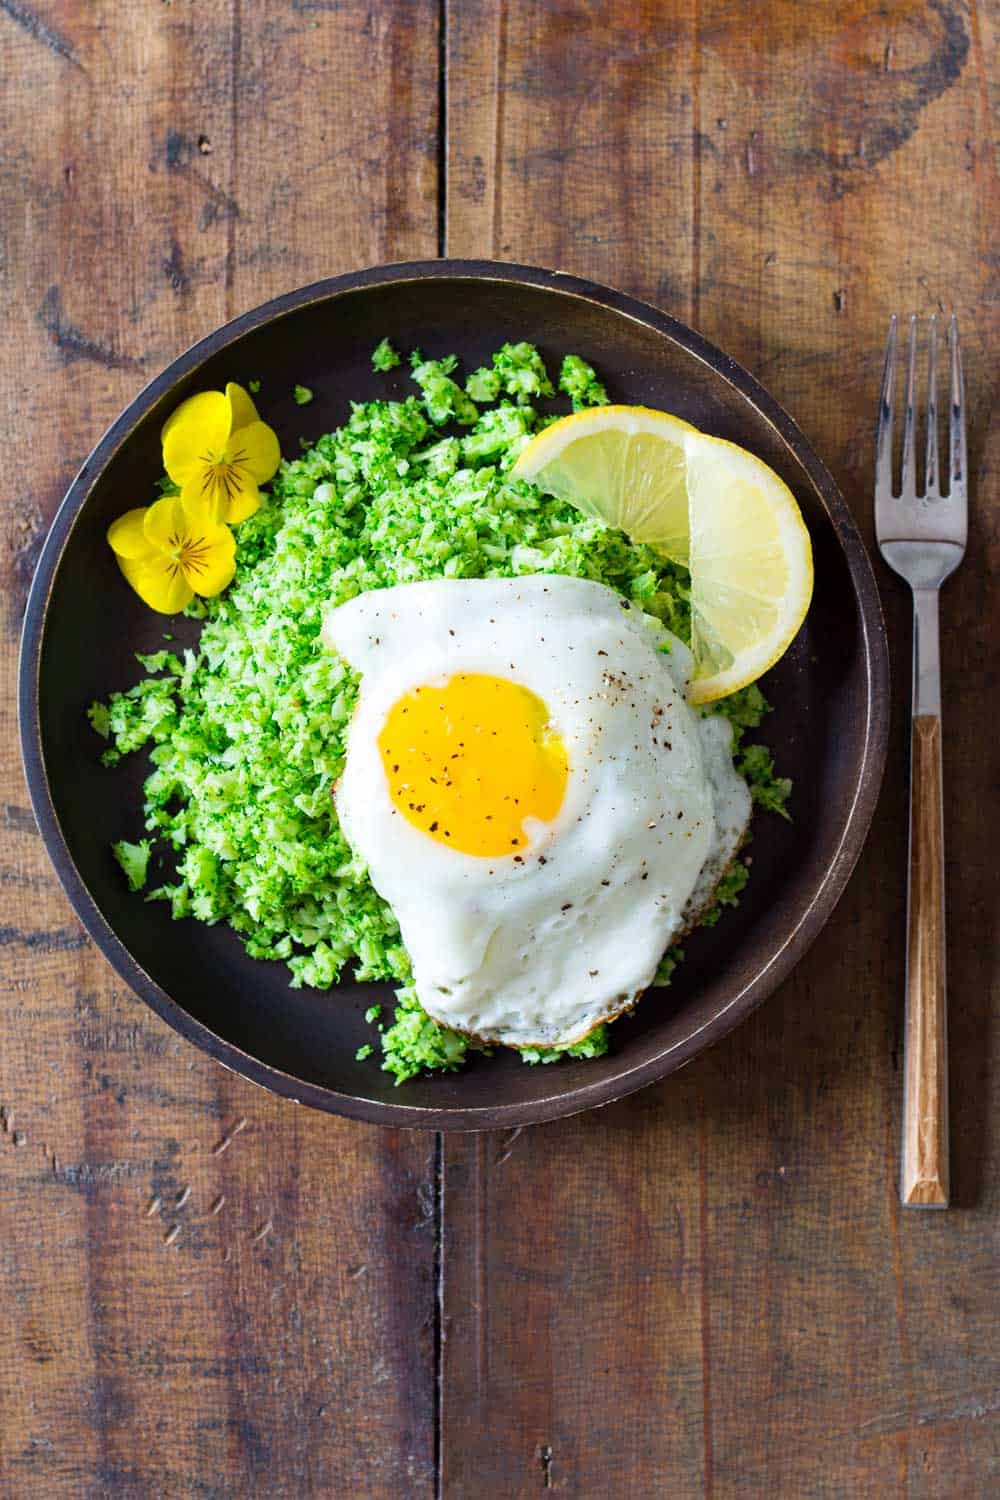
(707, 1289)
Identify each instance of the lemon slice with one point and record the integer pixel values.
(700, 501)
(625, 465)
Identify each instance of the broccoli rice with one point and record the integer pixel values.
(246, 733)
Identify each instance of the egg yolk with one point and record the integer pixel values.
(469, 759)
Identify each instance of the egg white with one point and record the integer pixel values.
(538, 948)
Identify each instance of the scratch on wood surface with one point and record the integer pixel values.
(262, 1231)
(6, 1119)
(174, 269)
(41, 32)
(218, 1205)
(154, 1205)
(88, 1177)
(27, 882)
(73, 344)
(900, 1421)
(218, 198)
(230, 1135)
(182, 1197)
(172, 1234)
(507, 1145)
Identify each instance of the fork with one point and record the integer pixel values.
(922, 538)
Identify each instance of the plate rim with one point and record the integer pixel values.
(751, 993)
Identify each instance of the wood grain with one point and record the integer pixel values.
(204, 1291)
(925, 1037)
(709, 1289)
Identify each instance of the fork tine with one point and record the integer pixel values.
(883, 427)
(956, 424)
(908, 481)
(931, 464)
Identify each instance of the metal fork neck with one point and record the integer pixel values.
(926, 653)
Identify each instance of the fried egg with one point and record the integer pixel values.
(532, 796)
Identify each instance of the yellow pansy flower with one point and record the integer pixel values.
(168, 558)
(217, 451)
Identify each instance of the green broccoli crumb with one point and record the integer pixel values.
(499, 434)
(581, 384)
(303, 395)
(444, 399)
(667, 965)
(159, 661)
(746, 709)
(100, 719)
(442, 459)
(521, 372)
(384, 356)
(483, 386)
(767, 789)
(372, 1013)
(594, 1045)
(414, 1043)
(727, 892)
(253, 386)
(363, 1052)
(134, 860)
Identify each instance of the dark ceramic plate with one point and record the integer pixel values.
(83, 626)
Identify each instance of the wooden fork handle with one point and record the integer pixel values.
(925, 1048)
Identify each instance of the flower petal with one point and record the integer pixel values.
(159, 582)
(209, 560)
(241, 404)
(126, 536)
(205, 498)
(196, 433)
(244, 498)
(255, 450)
(165, 525)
